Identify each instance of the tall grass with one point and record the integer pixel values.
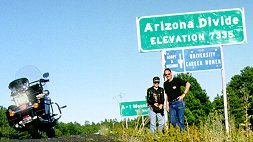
(212, 130)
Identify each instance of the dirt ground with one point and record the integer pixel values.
(77, 138)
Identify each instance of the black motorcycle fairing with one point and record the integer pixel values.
(21, 84)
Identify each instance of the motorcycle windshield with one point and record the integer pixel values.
(30, 72)
(27, 78)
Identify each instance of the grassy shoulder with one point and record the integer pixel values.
(212, 130)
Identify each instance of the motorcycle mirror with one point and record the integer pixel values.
(46, 75)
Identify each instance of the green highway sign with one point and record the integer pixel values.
(135, 108)
(216, 27)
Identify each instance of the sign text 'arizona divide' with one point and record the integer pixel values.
(193, 29)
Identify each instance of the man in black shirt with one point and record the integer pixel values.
(155, 101)
(175, 98)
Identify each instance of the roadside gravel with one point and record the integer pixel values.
(74, 138)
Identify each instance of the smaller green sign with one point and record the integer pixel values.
(136, 108)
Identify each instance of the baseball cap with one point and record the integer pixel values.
(156, 79)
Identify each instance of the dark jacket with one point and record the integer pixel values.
(155, 96)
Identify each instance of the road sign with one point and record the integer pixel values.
(135, 108)
(202, 59)
(193, 29)
(193, 59)
(174, 60)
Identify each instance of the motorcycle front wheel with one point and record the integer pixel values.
(34, 132)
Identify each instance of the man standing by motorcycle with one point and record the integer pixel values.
(155, 101)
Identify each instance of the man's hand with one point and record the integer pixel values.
(180, 98)
(156, 104)
(168, 108)
(160, 106)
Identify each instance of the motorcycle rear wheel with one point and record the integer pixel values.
(34, 132)
(50, 132)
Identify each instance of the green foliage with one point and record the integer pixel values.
(212, 129)
(197, 103)
(3, 120)
(75, 129)
(218, 104)
(235, 94)
(6, 132)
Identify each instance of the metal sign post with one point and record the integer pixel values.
(165, 96)
(126, 122)
(142, 121)
(224, 94)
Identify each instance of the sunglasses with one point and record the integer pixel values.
(167, 74)
(156, 82)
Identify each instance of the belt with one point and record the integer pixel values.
(174, 100)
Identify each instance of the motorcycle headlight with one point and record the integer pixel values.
(21, 99)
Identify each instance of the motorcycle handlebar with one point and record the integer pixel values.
(44, 80)
(41, 80)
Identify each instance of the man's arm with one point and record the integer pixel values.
(149, 100)
(167, 103)
(187, 87)
(162, 99)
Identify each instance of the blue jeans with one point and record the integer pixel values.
(177, 114)
(152, 117)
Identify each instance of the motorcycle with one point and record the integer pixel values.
(33, 110)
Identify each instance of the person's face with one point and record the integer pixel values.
(156, 83)
(168, 74)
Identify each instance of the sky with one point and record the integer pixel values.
(90, 49)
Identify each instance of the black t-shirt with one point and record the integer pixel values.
(172, 89)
